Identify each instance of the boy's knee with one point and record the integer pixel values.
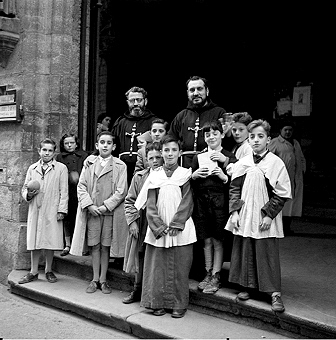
(96, 247)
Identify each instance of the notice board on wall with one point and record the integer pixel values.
(302, 101)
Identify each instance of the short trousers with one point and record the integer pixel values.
(99, 230)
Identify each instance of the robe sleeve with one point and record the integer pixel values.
(139, 165)
(175, 126)
(235, 203)
(273, 206)
(120, 187)
(131, 212)
(64, 193)
(83, 195)
(155, 222)
(184, 209)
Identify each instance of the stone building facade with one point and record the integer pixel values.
(73, 59)
(39, 56)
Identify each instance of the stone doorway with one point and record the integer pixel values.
(244, 52)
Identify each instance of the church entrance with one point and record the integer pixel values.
(249, 55)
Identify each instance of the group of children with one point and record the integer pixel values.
(226, 200)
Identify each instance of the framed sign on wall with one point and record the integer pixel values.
(301, 101)
(10, 105)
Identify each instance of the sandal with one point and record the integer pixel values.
(65, 251)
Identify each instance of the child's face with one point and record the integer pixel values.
(258, 140)
(170, 153)
(157, 132)
(106, 121)
(47, 152)
(239, 132)
(69, 144)
(154, 159)
(105, 146)
(214, 139)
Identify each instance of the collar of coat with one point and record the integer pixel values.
(52, 163)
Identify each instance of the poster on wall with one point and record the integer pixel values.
(283, 106)
(301, 101)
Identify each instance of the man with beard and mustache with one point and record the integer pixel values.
(187, 124)
(131, 124)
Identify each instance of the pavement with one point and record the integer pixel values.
(308, 261)
(22, 318)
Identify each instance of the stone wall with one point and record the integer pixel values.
(45, 65)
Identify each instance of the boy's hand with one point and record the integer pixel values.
(266, 223)
(200, 173)
(32, 193)
(94, 210)
(218, 156)
(134, 229)
(102, 209)
(141, 143)
(173, 231)
(163, 233)
(60, 216)
(235, 220)
(217, 171)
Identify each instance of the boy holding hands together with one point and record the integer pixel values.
(101, 189)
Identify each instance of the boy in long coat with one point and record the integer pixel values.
(101, 189)
(47, 207)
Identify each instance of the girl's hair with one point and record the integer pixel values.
(242, 117)
(151, 146)
(48, 141)
(170, 139)
(102, 116)
(61, 143)
(213, 125)
(107, 133)
(160, 121)
(260, 122)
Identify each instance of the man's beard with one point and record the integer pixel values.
(137, 112)
(198, 105)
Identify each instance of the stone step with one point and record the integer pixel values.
(69, 294)
(223, 305)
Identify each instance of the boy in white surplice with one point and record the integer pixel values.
(259, 188)
(170, 234)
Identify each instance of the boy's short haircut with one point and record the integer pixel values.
(107, 133)
(152, 146)
(260, 122)
(48, 141)
(170, 139)
(67, 135)
(242, 117)
(160, 121)
(212, 125)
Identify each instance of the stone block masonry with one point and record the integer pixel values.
(45, 66)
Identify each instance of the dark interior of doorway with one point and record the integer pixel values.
(244, 52)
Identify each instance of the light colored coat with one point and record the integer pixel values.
(295, 163)
(43, 229)
(111, 184)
